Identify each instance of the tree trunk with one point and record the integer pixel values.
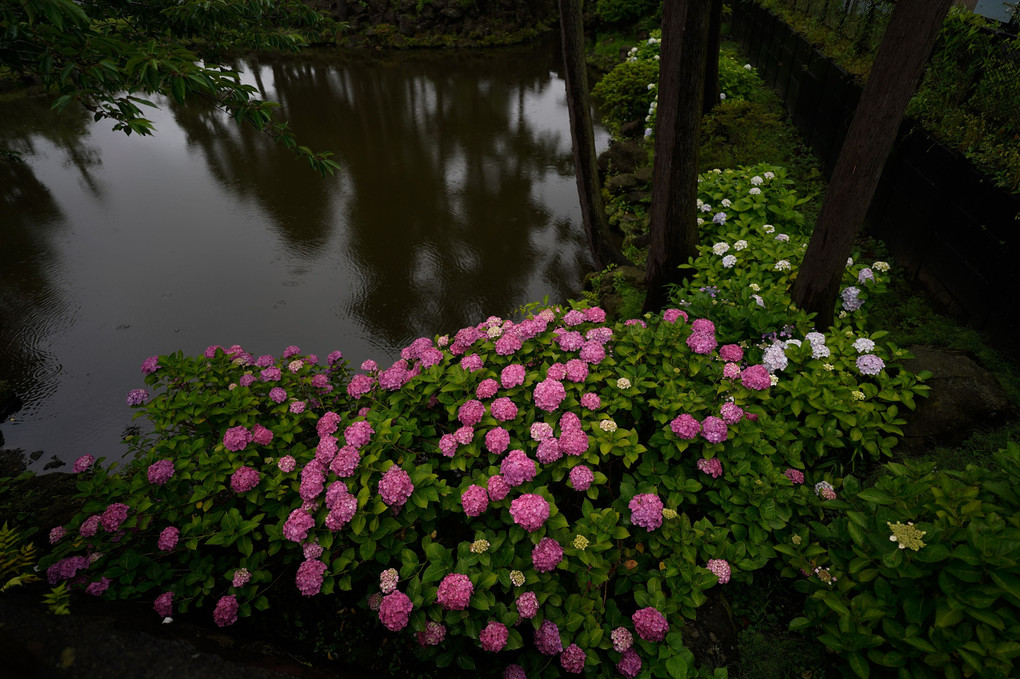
(673, 226)
(897, 70)
(711, 94)
(582, 135)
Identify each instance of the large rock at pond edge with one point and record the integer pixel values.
(963, 397)
(622, 157)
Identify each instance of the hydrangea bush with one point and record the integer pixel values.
(548, 494)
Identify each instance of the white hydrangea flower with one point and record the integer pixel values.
(721, 248)
(782, 237)
(740, 245)
(755, 287)
(880, 266)
(729, 261)
(782, 265)
(770, 175)
(864, 345)
(756, 180)
(748, 67)
(849, 262)
(726, 202)
(754, 191)
(768, 228)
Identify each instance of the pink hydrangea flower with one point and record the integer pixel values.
(593, 352)
(160, 472)
(546, 555)
(573, 442)
(703, 325)
(731, 413)
(527, 605)
(646, 511)
(296, 408)
(432, 635)
(529, 511)
(581, 477)
(595, 315)
(540, 431)
(277, 394)
(622, 639)
(514, 672)
(701, 342)
(237, 439)
(113, 516)
(56, 534)
(472, 362)
(290, 351)
(685, 427)
(517, 467)
(470, 413)
(342, 512)
(297, 525)
(137, 397)
(326, 450)
(464, 435)
(164, 604)
(650, 624)
(261, 435)
(475, 500)
(395, 487)
(512, 375)
(83, 463)
(549, 451)
(168, 538)
(573, 317)
(712, 467)
(547, 638)
(244, 479)
(360, 385)
(448, 445)
(313, 480)
(336, 490)
(569, 420)
(721, 568)
(65, 569)
(494, 636)
(487, 388)
(241, 577)
(89, 526)
(388, 580)
(572, 659)
(395, 611)
(577, 370)
(714, 429)
(150, 365)
(570, 340)
(327, 424)
(549, 394)
(455, 592)
(630, 664)
(270, 374)
(671, 315)
(358, 434)
(591, 401)
(756, 377)
(600, 335)
(795, 475)
(345, 462)
(497, 440)
(497, 487)
(731, 352)
(225, 613)
(309, 577)
(503, 409)
(731, 371)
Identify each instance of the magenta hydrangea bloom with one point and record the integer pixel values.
(164, 604)
(395, 611)
(512, 375)
(591, 401)
(549, 451)
(703, 325)
(577, 370)
(503, 409)
(448, 445)
(470, 413)
(731, 413)
(432, 635)
(646, 511)
(514, 672)
(570, 340)
(573, 441)
(497, 487)
(261, 435)
(277, 394)
(487, 388)
(160, 472)
(517, 468)
(546, 555)
(83, 463)
(795, 475)
(622, 639)
(549, 394)
(475, 500)
(593, 352)
(67, 568)
(168, 538)
(714, 429)
(529, 511)
(721, 568)
(685, 427)
(595, 315)
(650, 624)
(756, 377)
(731, 352)
(630, 664)
(464, 435)
(89, 526)
(455, 592)
(569, 420)
(137, 397)
(327, 424)
(225, 613)
(313, 480)
(573, 317)
(270, 374)
(236, 439)
(671, 315)
(113, 516)
(497, 440)
(494, 636)
(56, 534)
(527, 605)
(712, 467)
(540, 431)
(395, 487)
(547, 638)
(572, 659)
(702, 342)
(360, 385)
(342, 512)
(309, 577)
(472, 362)
(581, 477)
(150, 365)
(244, 479)
(286, 464)
(297, 525)
(336, 490)
(358, 434)
(731, 371)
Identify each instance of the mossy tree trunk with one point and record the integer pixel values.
(895, 74)
(711, 90)
(582, 135)
(673, 227)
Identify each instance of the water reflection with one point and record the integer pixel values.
(456, 200)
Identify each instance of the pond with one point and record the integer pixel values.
(456, 201)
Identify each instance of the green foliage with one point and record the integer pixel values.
(626, 11)
(623, 94)
(112, 57)
(942, 599)
(16, 559)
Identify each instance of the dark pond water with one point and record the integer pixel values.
(456, 201)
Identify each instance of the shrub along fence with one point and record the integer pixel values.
(944, 221)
